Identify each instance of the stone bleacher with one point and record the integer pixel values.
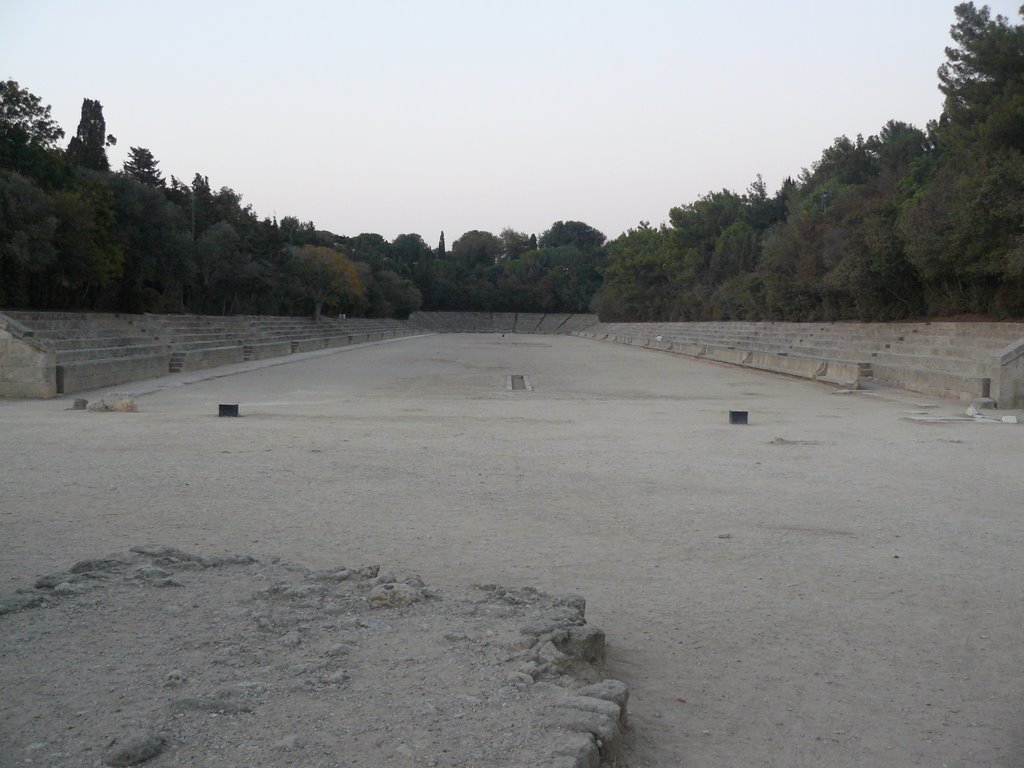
(93, 350)
(945, 359)
(43, 354)
(500, 322)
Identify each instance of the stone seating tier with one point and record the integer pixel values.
(964, 360)
(47, 353)
(500, 322)
(77, 354)
(552, 322)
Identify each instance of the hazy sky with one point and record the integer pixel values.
(397, 117)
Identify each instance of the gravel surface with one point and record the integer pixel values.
(837, 583)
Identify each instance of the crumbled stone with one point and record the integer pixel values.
(164, 552)
(576, 602)
(394, 595)
(102, 565)
(67, 588)
(601, 726)
(115, 401)
(530, 668)
(233, 559)
(610, 690)
(591, 704)
(582, 749)
(548, 653)
(135, 748)
(52, 580)
(519, 679)
(498, 611)
(290, 743)
(339, 677)
(586, 643)
(150, 573)
(339, 649)
(216, 704)
(303, 590)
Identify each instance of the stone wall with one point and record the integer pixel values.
(27, 367)
(1008, 376)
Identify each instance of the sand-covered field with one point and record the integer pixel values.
(834, 584)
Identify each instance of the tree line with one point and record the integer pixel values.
(906, 223)
(909, 222)
(75, 234)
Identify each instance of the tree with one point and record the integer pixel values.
(371, 248)
(642, 281)
(514, 244)
(87, 147)
(142, 166)
(476, 249)
(410, 253)
(89, 256)
(29, 136)
(327, 277)
(983, 77)
(583, 236)
(27, 225)
(390, 295)
(24, 113)
(297, 232)
(157, 246)
(440, 246)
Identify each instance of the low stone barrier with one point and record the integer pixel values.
(83, 375)
(963, 387)
(267, 349)
(841, 372)
(200, 359)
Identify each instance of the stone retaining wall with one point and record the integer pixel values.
(1008, 376)
(26, 370)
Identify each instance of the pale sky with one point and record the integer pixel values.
(396, 117)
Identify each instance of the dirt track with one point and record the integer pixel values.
(865, 608)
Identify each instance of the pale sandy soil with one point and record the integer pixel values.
(867, 607)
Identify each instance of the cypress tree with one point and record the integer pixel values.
(88, 147)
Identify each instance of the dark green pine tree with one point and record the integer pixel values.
(440, 246)
(88, 147)
(142, 166)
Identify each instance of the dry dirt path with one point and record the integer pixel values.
(866, 607)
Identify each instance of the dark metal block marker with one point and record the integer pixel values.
(228, 409)
(737, 417)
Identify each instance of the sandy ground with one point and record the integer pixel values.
(866, 607)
